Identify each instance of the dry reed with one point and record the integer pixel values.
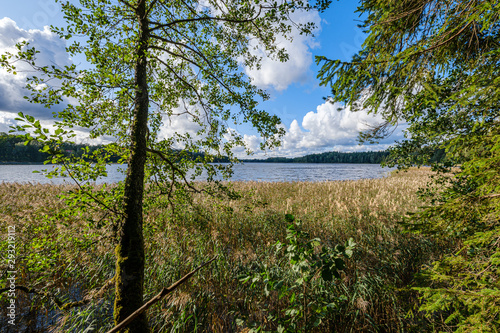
(76, 257)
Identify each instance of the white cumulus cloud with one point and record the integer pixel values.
(332, 127)
(52, 52)
(179, 124)
(279, 75)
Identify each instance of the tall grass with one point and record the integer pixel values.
(373, 293)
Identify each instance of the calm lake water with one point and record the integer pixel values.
(270, 172)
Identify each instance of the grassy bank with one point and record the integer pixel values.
(252, 284)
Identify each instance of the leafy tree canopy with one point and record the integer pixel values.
(434, 65)
(150, 60)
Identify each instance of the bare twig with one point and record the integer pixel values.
(88, 193)
(172, 165)
(493, 195)
(58, 302)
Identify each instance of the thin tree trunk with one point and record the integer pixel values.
(130, 259)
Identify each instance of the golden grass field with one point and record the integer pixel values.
(64, 255)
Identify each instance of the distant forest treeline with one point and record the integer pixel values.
(13, 150)
(373, 157)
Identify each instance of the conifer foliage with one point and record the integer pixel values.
(434, 65)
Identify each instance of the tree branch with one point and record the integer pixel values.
(90, 194)
(128, 5)
(168, 41)
(204, 18)
(400, 56)
(194, 63)
(400, 16)
(164, 292)
(181, 79)
(151, 6)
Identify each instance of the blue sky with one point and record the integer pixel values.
(312, 124)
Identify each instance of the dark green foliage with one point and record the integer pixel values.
(13, 149)
(373, 157)
(465, 283)
(305, 281)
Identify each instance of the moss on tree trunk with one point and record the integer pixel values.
(130, 259)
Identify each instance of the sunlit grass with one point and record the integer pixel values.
(74, 258)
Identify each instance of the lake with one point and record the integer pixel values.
(269, 172)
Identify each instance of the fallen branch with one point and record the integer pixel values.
(35, 291)
(164, 292)
(58, 302)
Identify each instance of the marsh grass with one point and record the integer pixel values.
(62, 254)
